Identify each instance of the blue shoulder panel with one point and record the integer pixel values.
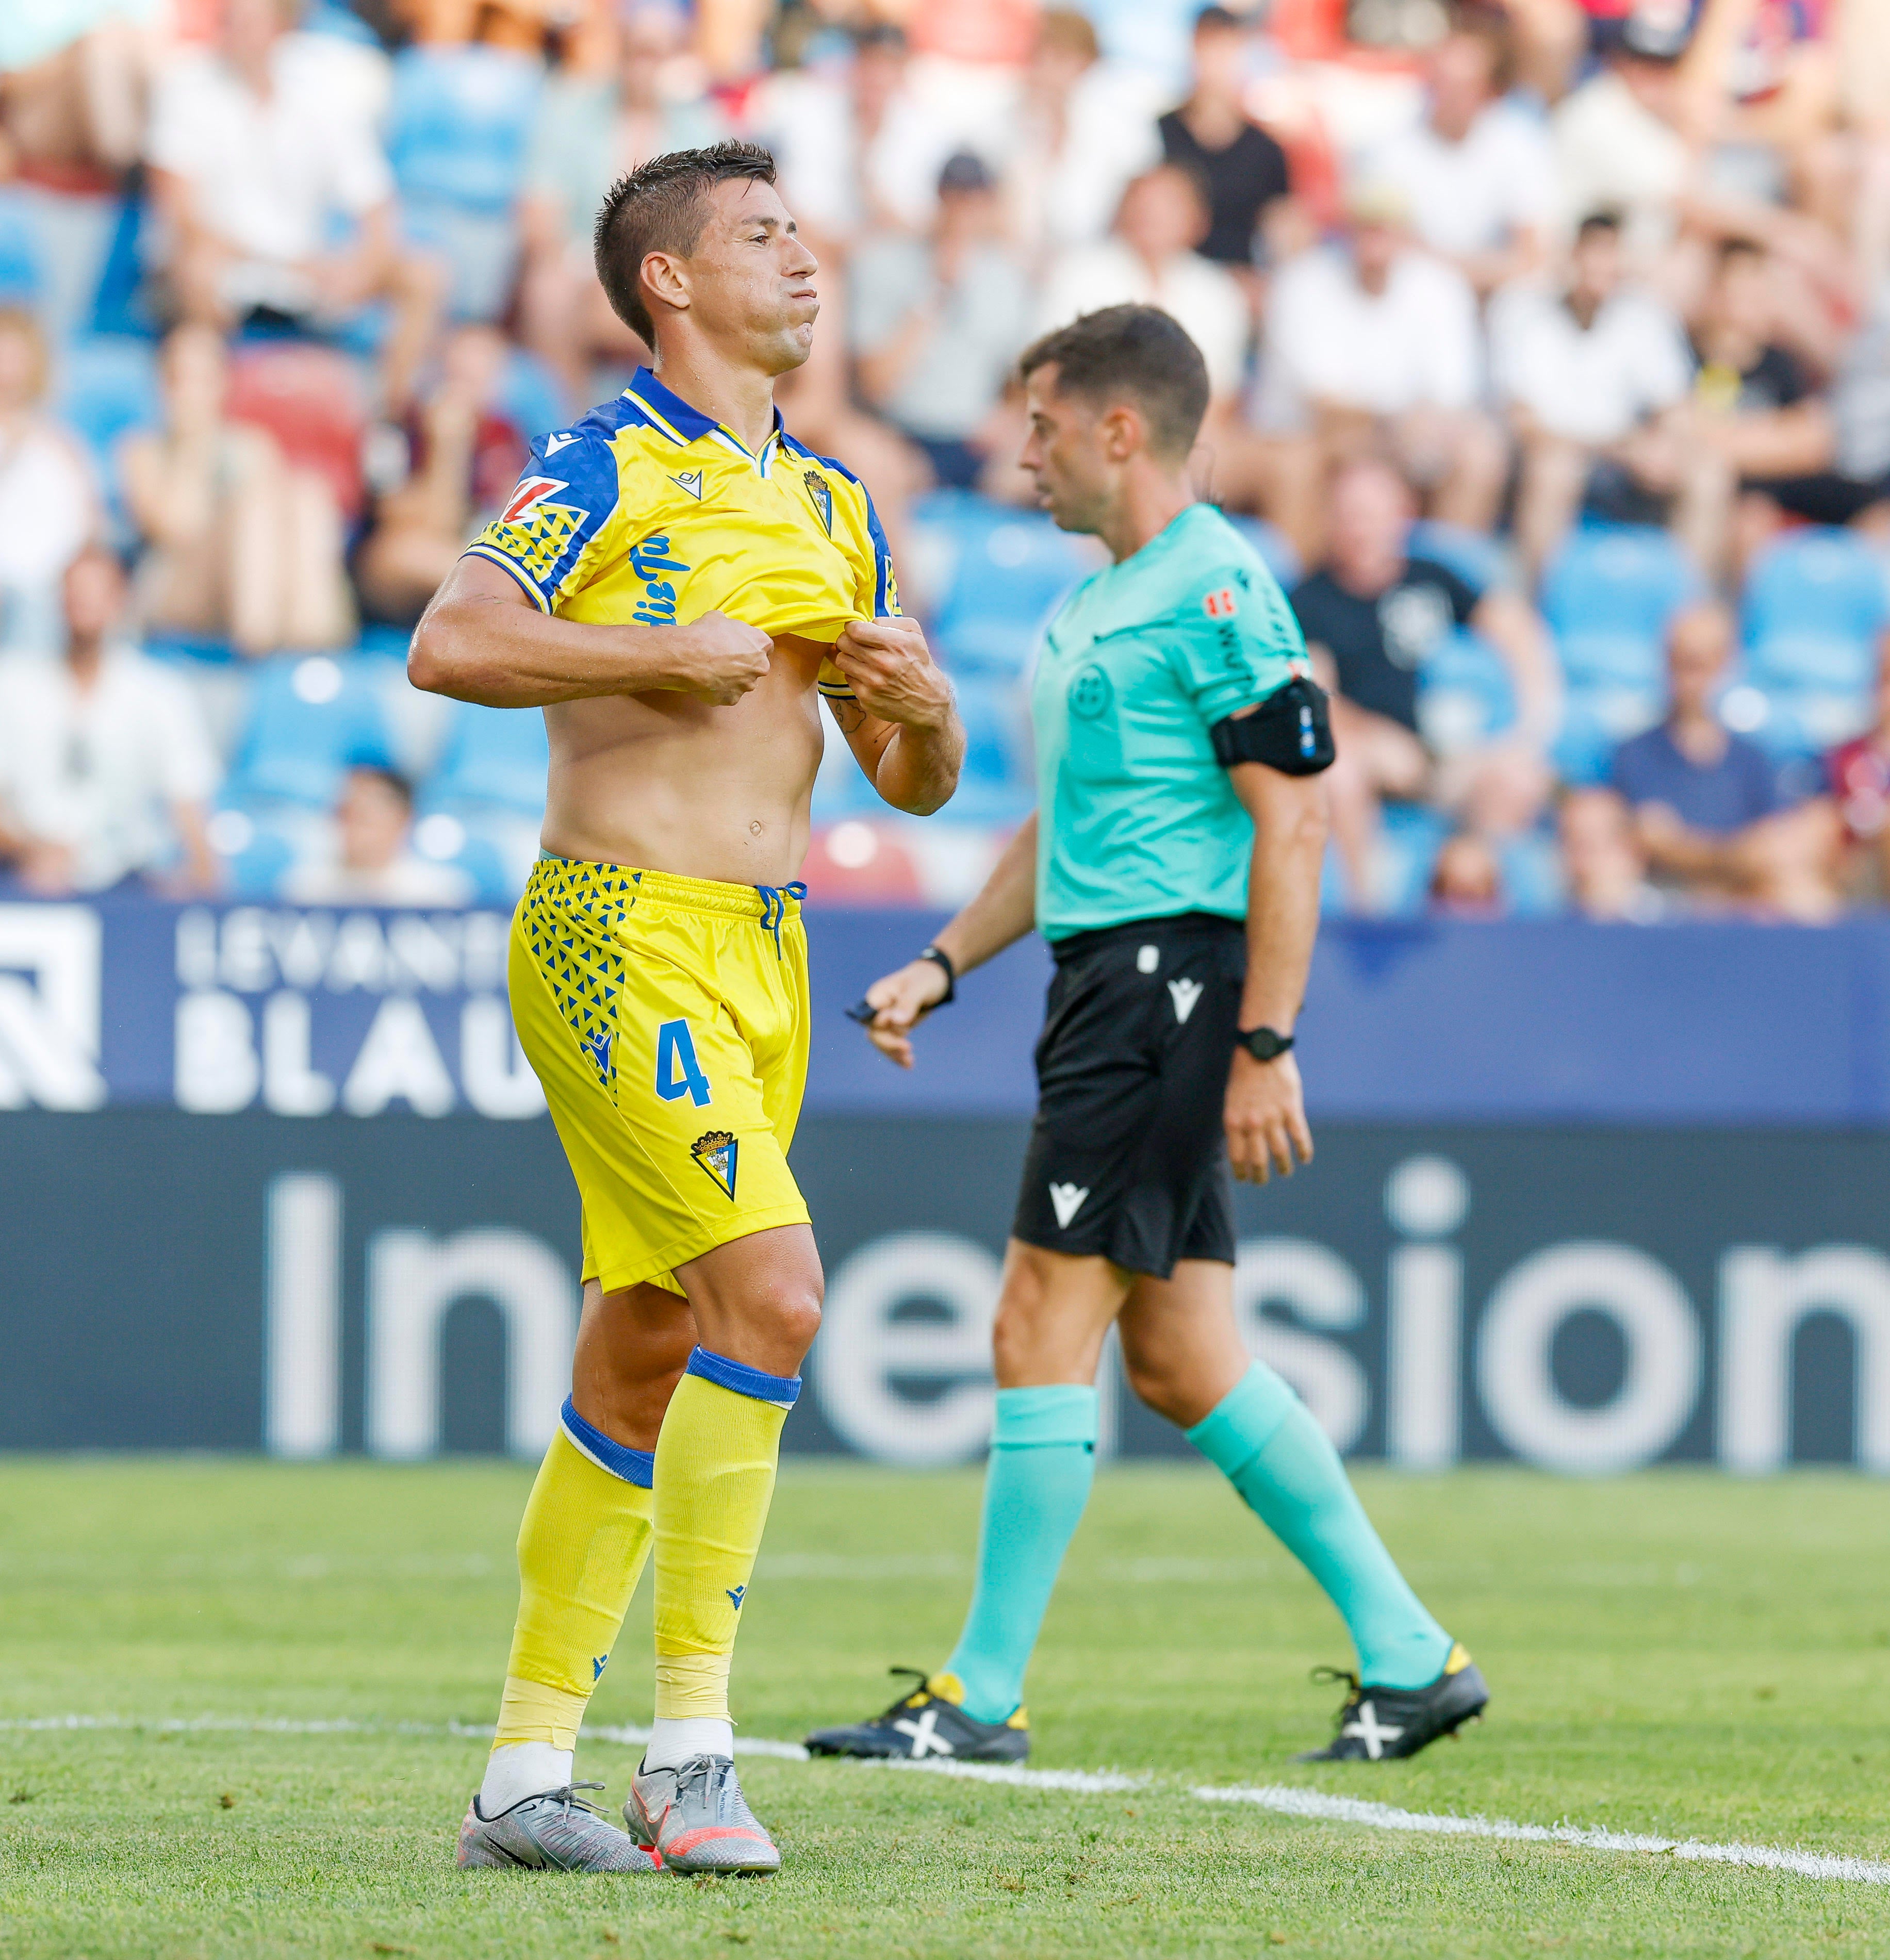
(565, 495)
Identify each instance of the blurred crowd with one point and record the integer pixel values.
(1549, 339)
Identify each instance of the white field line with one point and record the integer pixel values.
(1291, 1802)
(1284, 1798)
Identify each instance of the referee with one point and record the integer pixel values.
(1173, 864)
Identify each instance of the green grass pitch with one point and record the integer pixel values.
(1677, 1654)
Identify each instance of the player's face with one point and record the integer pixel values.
(751, 279)
(1064, 452)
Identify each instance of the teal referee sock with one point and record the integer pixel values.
(1262, 1438)
(1042, 1462)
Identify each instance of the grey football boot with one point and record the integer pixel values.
(694, 1818)
(552, 1832)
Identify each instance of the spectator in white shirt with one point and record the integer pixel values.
(105, 764)
(1087, 128)
(859, 151)
(1476, 169)
(1593, 376)
(1373, 343)
(1150, 260)
(258, 148)
(937, 323)
(370, 861)
(48, 504)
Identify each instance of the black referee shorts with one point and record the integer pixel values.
(1128, 1156)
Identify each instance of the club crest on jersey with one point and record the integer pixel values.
(690, 480)
(715, 1151)
(1221, 604)
(821, 491)
(526, 499)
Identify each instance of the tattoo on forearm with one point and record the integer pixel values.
(848, 716)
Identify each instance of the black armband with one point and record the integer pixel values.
(1291, 731)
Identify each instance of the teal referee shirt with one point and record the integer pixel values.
(1136, 820)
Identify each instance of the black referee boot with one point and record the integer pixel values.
(926, 1724)
(1382, 1724)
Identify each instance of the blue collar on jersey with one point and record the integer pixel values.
(675, 416)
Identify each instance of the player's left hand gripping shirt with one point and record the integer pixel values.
(1136, 819)
(649, 511)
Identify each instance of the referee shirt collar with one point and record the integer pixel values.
(684, 424)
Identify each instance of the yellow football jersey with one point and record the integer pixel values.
(649, 510)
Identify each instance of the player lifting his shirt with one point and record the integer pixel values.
(1173, 864)
(677, 582)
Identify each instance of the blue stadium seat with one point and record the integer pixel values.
(1608, 595)
(995, 785)
(21, 275)
(494, 758)
(104, 388)
(1475, 556)
(458, 123)
(1008, 570)
(1408, 845)
(1531, 868)
(1275, 548)
(1815, 603)
(1465, 694)
(530, 396)
(311, 718)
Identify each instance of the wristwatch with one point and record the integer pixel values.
(1264, 1044)
(942, 961)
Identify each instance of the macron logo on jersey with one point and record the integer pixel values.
(1067, 1199)
(553, 443)
(1221, 604)
(529, 495)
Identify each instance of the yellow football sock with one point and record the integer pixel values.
(715, 1464)
(581, 1547)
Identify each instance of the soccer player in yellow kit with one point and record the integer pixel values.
(677, 582)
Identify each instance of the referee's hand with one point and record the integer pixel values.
(1265, 1116)
(900, 1002)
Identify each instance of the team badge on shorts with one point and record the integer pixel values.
(714, 1150)
(821, 491)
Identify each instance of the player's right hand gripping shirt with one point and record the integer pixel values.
(649, 510)
(1136, 819)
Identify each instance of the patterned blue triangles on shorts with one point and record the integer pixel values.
(571, 913)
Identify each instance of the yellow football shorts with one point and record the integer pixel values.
(667, 1018)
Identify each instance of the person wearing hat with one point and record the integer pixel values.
(937, 320)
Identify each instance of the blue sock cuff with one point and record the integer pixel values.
(1231, 1435)
(1029, 1417)
(741, 1379)
(634, 1466)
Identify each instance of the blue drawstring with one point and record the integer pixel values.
(774, 899)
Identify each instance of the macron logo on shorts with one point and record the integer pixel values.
(1067, 1200)
(1184, 994)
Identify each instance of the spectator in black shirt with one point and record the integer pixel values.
(1373, 617)
(1761, 429)
(1242, 167)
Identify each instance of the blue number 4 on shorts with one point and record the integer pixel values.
(677, 1072)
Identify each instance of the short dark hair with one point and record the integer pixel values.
(1136, 350)
(392, 780)
(662, 207)
(1598, 220)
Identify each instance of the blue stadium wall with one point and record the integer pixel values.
(1588, 1197)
